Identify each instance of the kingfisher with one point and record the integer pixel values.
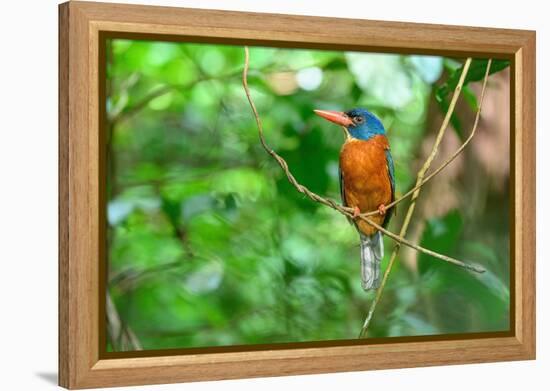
(367, 182)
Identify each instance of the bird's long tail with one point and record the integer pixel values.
(372, 251)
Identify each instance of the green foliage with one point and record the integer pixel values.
(476, 72)
(209, 244)
(485, 295)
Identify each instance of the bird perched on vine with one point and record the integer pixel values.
(367, 182)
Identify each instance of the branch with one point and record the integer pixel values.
(121, 336)
(163, 90)
(125, 278)
(420, 180)
(329, 202)
(155, 93)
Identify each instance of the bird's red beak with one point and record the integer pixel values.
(336, 117)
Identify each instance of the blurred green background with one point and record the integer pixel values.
(209, 245)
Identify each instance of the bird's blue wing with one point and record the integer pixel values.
(391, 173)
(342, 189)
(343, 192)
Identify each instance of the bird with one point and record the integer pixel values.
(367, 182)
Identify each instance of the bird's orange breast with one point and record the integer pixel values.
(365, 177)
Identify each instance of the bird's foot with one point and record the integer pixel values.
(356, 212)
(382, 209)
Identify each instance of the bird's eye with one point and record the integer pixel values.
(358, 119)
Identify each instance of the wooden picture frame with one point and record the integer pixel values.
(81, 25)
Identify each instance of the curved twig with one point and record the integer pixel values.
(329, 202)
(421, 180)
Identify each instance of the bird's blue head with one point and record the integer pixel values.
(359, 123)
